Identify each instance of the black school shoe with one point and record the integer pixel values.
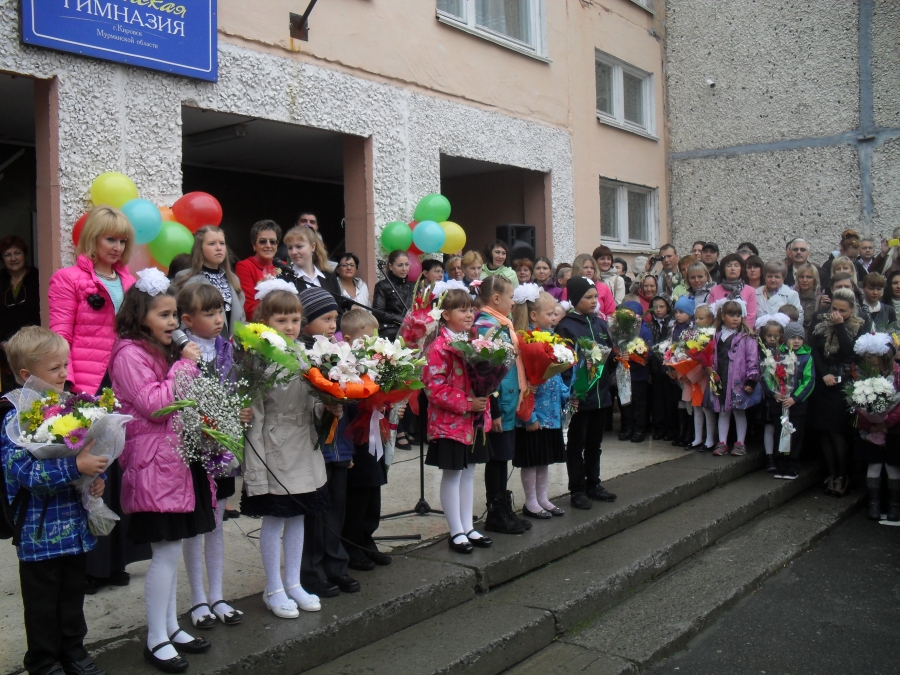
(324, 589)
(580, 501)
(359, 561)
(601, 494)
(378, 557)
(346, 584)
(83, 667)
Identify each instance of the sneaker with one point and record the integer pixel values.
(771, 467)
(739, 450)
(721, 449)
(788, 475)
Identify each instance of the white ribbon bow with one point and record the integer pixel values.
(376, 448)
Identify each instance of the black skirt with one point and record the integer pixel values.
(539, 448)
(503, 445)
(828, 408)
(455, 456)
(286, 506)
(150, 527)
(225, 488)
(768, 411)
(889, 453)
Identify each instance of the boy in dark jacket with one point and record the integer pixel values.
(586, 428)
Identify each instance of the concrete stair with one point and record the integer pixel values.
(435, 611)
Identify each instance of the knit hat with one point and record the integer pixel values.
(316, 302)
(633, 306)
(685, 304)
(794, 330)
(577, 287)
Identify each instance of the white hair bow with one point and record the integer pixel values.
(441, 287)
(778, 317)
(152, 282)
(717, 305)
(263, 288)
(873, 343)
(526, 293)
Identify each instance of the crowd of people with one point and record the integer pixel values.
(319, 508)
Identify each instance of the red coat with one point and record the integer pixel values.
(250, 272)
(448, 391)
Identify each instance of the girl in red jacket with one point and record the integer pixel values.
(168, 500)
(453, 445)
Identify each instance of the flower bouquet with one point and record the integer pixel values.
(488, 359)
(591, 360)
(544, 354)
(624, 330)
(778, 373)
(263, 358)
(336, 377)
(51, 425)
(207, 420)
(397, 370)
(873, 398)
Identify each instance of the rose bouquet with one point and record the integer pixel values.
(487, 359)
(873, 398)
(778, 373)
(624, 330)
(544, 354)
(591, 360)
(263, 357)
(51, 425)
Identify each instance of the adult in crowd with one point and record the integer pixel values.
(809, 292)
(880, 311)
(710, 257)
(210, 265)
(667, 273)
(697, 249)
(797, 255)
(584, 266)
(495, 262)
(545, 278)
(351, 285)
(264, 235)
(83, 301)
(309, 263)
(683, 286)
(453, 268)
(754, 265)
(607, 274)
(733, 286)
(647, 290)
(892, 290)
(471, 264)
(20, 300)
(745, 249)
(866, 254)
(831, 341)
(699, 283)
(524, 269)
(775, 294)
(888, 258)
(621, 266)
(393, 295)
(848, 248)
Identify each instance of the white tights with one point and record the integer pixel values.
(769, 438)
(159, 598)
(271, 543)
(534, 483)
(458, 501)
(740, 421)
(704, 415)
(893, 472)
(214, 543)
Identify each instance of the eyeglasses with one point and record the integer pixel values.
(270, 242)
(348, 266)
(799, 250)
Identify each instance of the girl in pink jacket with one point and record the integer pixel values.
(453, 445)
(167, 499)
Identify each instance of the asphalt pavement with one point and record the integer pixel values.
(833, 611)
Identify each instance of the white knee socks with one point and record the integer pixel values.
(724, 426)
(529, 485)
(769, 438)
(214, 544)
(542, 475)
(159, 597)
(467, 501)
(450, 502)
(293, 554)
(270, 547)
(710, 417)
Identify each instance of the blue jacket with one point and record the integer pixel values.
(550, 400)
(64, 530)
(573, 326)
(341, 450)
(507, 402)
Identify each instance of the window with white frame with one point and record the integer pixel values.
(627, 215)
(624, 95)
(518, 24)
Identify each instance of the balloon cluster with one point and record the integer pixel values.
(160, 233)
(428, 232)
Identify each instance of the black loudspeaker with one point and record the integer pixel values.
(519, 238)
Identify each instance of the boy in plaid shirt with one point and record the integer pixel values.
(50, 525)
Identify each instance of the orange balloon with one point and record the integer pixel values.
(167, 214)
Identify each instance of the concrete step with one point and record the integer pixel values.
(569, 591)
(429, 581)
(659, 619)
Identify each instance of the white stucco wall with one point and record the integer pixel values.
(117, 118)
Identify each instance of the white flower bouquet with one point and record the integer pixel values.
(873, 398)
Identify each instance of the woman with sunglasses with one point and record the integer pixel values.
(264, 236)
(20, 299)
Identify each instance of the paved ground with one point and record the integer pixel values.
(115, 611)
(833, 611)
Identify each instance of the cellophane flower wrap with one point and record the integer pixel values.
(872, 398)
(544, 355)
(488, 359)
(590, 361)
(207, 419)
(263, 358)
(336, 376)
(778, 370)
(51, 425)
(397, 370)
(624, 331)
(695, 346)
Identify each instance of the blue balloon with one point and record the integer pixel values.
(145, 218)
(429, 236)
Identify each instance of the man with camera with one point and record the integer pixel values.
(667, 275)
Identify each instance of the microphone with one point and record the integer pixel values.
(179, 339)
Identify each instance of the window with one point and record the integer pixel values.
(517, 24)
(627, 215)
(624, 96)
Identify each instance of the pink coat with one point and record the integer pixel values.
(154, 476)
(90, 332)
(748, 295)
(448, 391)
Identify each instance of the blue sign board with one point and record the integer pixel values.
(177, 37)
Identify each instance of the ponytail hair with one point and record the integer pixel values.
(455, 298)
(493, 284)
(521, 314)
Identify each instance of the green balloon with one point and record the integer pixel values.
(396, 236)
(432, 207)
(173, 239)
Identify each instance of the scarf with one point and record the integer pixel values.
(733, 288)
(517, 343)
(826, 329)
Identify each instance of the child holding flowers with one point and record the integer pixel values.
(284, 475)
(634, 413)
(539, 439)
(54, 537)
(168, 500)
(770, 328)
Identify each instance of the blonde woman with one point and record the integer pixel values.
(585, 266)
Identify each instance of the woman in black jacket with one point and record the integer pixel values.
(20, 299)
(393, 296)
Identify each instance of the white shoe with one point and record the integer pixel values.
(310, 604)
(286, 610)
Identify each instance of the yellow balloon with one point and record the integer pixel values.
(456, 237)
(113, 189)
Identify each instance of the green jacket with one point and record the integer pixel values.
(804, 379)
(503, 271)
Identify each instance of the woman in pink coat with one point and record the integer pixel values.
(84, 298)
(734, 285)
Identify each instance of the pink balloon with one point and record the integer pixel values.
(415, 268)
(141, 260)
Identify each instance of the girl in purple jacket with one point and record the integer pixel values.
(168, 500)
(736, 362)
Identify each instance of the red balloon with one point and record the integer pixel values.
(197, 209)
(415, 268)
(412, 247)
(79, 226)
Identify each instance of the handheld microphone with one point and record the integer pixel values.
(179, 339)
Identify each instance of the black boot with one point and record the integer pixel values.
(500, 519)
(511, 510)
(893, 513)
(874, 485)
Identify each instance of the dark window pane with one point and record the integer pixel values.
(609, 226)
(634, 98)
(604, 74)
(507, 17)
